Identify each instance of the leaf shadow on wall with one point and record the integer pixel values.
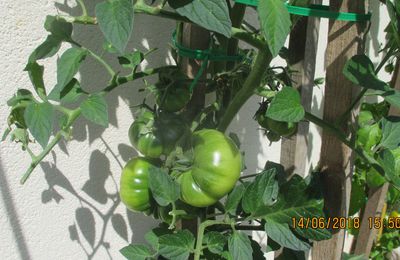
(98, 196)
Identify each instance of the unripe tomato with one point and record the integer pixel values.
(145, 142)
(159, 138)
(173, 98)
(134, 184)
(215, 170)
(394, 214)
(262, 120)
(282, 128)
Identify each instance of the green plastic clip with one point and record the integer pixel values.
(322, 11)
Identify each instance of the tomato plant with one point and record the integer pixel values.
(190, 166)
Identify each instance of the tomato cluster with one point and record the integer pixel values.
(214, 169)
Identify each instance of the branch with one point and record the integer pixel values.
(339, 134)
(74, 114)
(142, 8)
(252, 82)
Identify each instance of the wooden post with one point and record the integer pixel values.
(193, 37)
(303, 45)
(344, 41)
(376, 198)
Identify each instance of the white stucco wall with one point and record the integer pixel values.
(68, 208)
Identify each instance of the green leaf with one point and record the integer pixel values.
(95, 109)
(58, 27)
(394, 21)
(72, 92)
(282, 234)
(215, 242)
(115, 18)
(358, 196)
(131, 60)
(390, 132)
(388, 162)
(293, 200)
(164, 189)
(21, 95)
(368, 136)
(392, 96)
(35, 72)
(374, 179)
(153, 235)
(136, 252)
(262, 192)
(176, 246)
(240, 246)
(234, 198)
(315, 234)
(20, 135)
(360, 70)
(47, 49)
(39, 119)
(286, 106)
(67, 67)
(275, 23)
(210, 14)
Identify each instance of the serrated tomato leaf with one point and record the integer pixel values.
(282, 234)
(163, 188)
(286, 106)
(239, 246)
(95, 109)
(262, 192)
(275, 23)
(39, 119)
(67, 66)
(360, 70)
(177, 246)
(35, 72)
(58, 27)
(390, 132)
(47, 49)
(136, 252)
(210, 14)
(115, 19)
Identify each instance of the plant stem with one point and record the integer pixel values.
(140, 7)
(252, 82)
(83, 7)
(103, 62)
(200, 235)
(249, 176)
(71, 119)
(339, 134)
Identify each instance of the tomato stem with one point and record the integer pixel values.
(262, 61)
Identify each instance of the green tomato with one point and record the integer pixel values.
(173, 98)
(262, 120)
(134, 184)
(144, 139)
(215, 170)
(394, 214)
(282, 128)
(170, 128)
(156, 136)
